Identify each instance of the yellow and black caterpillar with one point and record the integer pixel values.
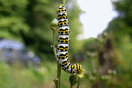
(63, 42)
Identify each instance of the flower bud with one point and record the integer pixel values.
(73, 79)
(54, 24)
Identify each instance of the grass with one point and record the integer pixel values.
(15, 76)
(18, 76)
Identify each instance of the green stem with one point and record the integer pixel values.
(58, 74)
(56, 84)
(78, 82)
(63, 1)
(71, 86)
(57, 81)
(54, 38)
(54, 49)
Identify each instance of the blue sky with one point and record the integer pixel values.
(98, 13)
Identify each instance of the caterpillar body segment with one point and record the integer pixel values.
(62, 55)
(64, 30)
(63, 23)
(62, 16)
(62, 47)
(63, 42)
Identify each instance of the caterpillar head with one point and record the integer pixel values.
(61, 8)
(79, 68)
(62, 5)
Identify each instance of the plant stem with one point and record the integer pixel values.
(54, 38)
(54, 49)
(57, 81)
(78, 82)
(63, 1)
(56, 84)
(71, 86)
(58, 74)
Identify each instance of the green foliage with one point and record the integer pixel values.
(90, 45)
(36, 73)
(28, 21)
(6, 77)
(17, 76)
(122, 33)
(12, 18)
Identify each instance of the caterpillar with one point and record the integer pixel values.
(63, 42)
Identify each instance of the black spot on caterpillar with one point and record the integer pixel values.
(63, 42)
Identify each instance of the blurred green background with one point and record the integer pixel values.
(106, 59)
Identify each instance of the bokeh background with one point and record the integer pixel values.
(27, 59)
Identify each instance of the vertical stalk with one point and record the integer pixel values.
(58, 74)
(57, 81)
(78, 82)
(63, 1)
(71, 86)
(54, 38)
(54, 49)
